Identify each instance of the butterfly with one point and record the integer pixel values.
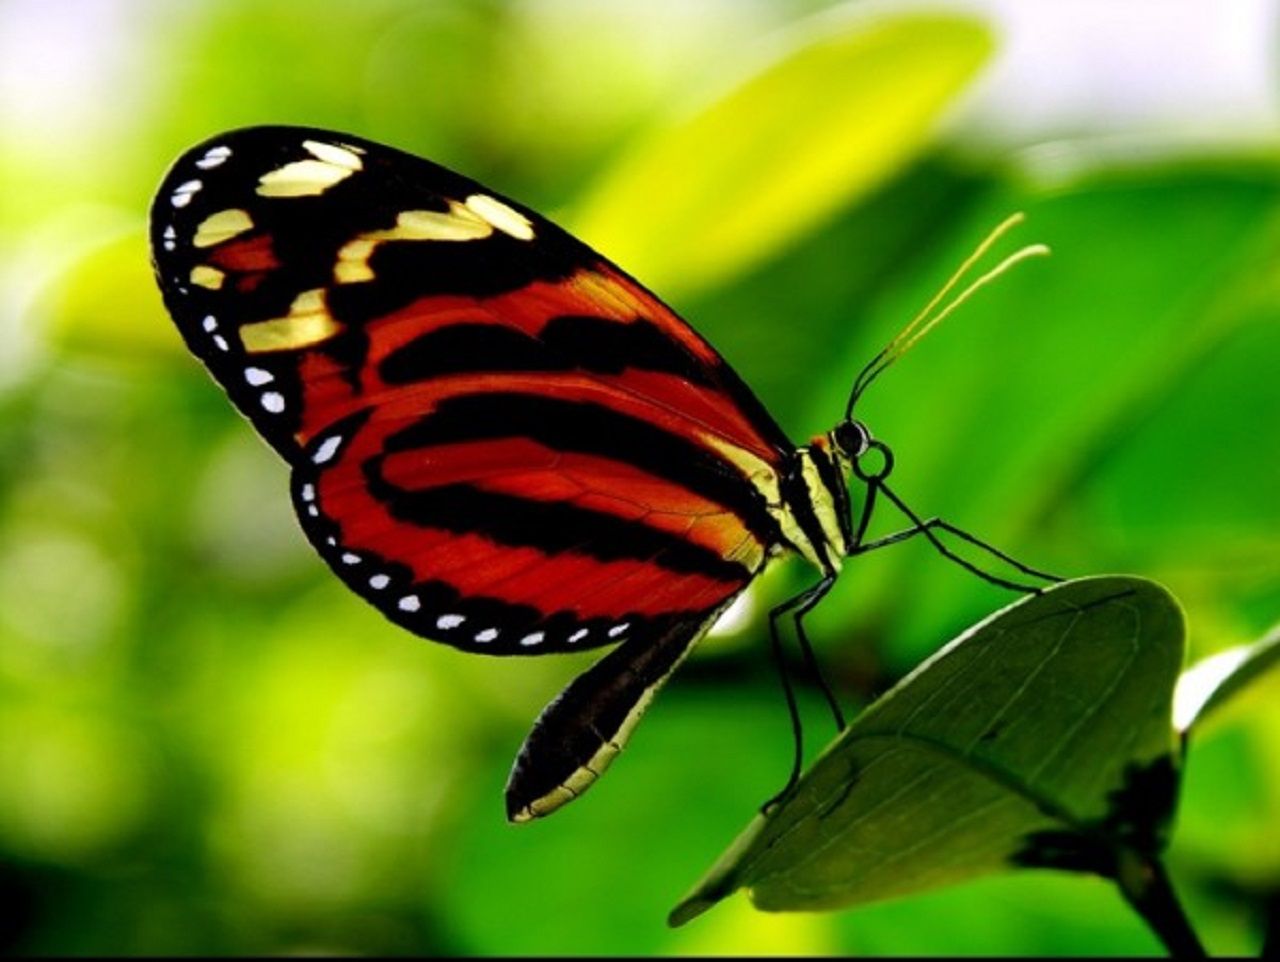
(498, 438)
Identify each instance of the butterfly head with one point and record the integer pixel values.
(818, 522)
(853, 445)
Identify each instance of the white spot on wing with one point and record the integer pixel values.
(409, 603)
(210, 323)
(213, 157)
(348, 558)
(533, 638)
(273, 401)
(487, 635)
(619, 628)
(221, 343)
(328, 448)
(579, 635)
(182, 194)
(257, 377)
(308, 492)
(378, 582)
(450, 621)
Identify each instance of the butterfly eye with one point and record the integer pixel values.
(852, 439)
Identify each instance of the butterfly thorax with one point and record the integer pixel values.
(814, 509)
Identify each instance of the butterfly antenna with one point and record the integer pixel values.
(910, 335)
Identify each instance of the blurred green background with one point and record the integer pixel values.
(208, 745)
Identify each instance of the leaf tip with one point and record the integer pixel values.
(716, 886)
(689, 909)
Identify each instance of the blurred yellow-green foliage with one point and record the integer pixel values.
(207, 745)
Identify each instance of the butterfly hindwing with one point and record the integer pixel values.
(533, 553)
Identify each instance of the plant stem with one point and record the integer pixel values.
(1271, 939)
(1146, 887)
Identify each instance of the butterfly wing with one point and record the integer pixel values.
(585, 728)
(498, 438)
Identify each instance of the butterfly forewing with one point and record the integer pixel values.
(498, 438)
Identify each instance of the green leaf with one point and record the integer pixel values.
(1040, 732)
(1211, 682)
(840, 109)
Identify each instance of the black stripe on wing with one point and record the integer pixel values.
(593, 429)
(434, 609)
(596, 345)
(552, 527)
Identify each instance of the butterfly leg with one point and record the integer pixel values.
(809, 601)
(798, 607)
(927, 528)
(797, 731)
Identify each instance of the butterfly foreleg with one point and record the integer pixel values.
(929, 529)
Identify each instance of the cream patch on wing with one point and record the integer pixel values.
(506, 219)
(303, 178)
(475, 219)
(208, 277)
(222, 226)
(308, 322)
